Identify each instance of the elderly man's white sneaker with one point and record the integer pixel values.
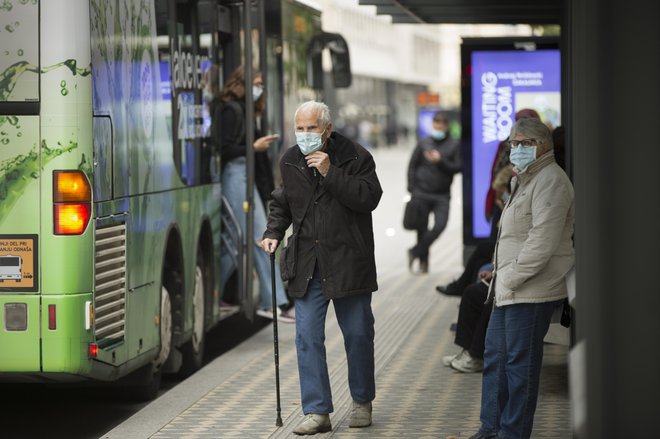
(360, 415)
(313, 424)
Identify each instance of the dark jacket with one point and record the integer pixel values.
(434, 178)
(337, 231)
(228, 130)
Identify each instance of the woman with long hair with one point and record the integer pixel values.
(227, 108)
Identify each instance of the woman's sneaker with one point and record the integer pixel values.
(282, 316)
(287, 316)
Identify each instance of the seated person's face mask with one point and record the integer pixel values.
(309, 142)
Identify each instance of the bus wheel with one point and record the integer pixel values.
(147, 379)
(143, 384)
(193, 351)
(165, 328)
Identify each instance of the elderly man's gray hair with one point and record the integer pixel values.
(319, 108)
(534, 129)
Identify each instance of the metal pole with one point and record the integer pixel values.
(248, 204)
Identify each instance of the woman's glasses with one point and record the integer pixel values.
(527, 143)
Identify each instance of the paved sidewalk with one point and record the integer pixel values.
(416, 396)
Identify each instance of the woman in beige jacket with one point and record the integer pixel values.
(534, 251)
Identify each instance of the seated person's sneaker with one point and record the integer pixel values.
(313, 424)
(467, 363)
(447, 359)
(451, 289)
(360, 415)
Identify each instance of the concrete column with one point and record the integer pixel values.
(614, 139)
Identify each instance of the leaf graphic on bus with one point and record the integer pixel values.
(10, 76)
(17, 172)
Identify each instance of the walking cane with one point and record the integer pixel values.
(278, 422)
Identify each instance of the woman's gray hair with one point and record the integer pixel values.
(317, 107)
(534, 129)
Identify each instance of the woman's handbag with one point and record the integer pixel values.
(290, 251)
(414, 214)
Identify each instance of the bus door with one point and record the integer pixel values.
(20, 173)
(204, 40)
(220, 26)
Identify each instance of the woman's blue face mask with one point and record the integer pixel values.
(257, 91)
(522, 156)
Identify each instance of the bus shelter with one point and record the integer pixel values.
(609, 57)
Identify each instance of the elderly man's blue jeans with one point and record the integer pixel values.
(512, 368)
(357, 325)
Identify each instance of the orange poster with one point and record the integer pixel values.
(18, 263)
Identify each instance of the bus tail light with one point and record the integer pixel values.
(92, 350)
(52, 317)
(72, 202)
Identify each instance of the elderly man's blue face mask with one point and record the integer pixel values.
(309, 142)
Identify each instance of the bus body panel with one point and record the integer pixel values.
(127, 88)
(19, 138)
(22, 344)
(66, 134)
(65, 348)
(19, 188)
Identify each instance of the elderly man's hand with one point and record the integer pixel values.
(269, 245)
(320, 161)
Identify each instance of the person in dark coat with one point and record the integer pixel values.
(432, 166)
(328, 192)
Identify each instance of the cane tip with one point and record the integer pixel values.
(279, 423)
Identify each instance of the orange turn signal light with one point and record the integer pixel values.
(72, 197)
(71, 186)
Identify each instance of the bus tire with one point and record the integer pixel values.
(165, 326)
(147, 379)
(193, 350)
(145, 384)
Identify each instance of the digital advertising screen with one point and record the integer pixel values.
(503, 82)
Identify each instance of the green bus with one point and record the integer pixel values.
(110, 194)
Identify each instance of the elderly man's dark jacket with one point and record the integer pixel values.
(337, 231)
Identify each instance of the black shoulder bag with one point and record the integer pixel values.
(289, 252)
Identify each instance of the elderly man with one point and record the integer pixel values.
(329, 189)
(534, 251)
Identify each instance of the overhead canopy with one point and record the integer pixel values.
(469, 11)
